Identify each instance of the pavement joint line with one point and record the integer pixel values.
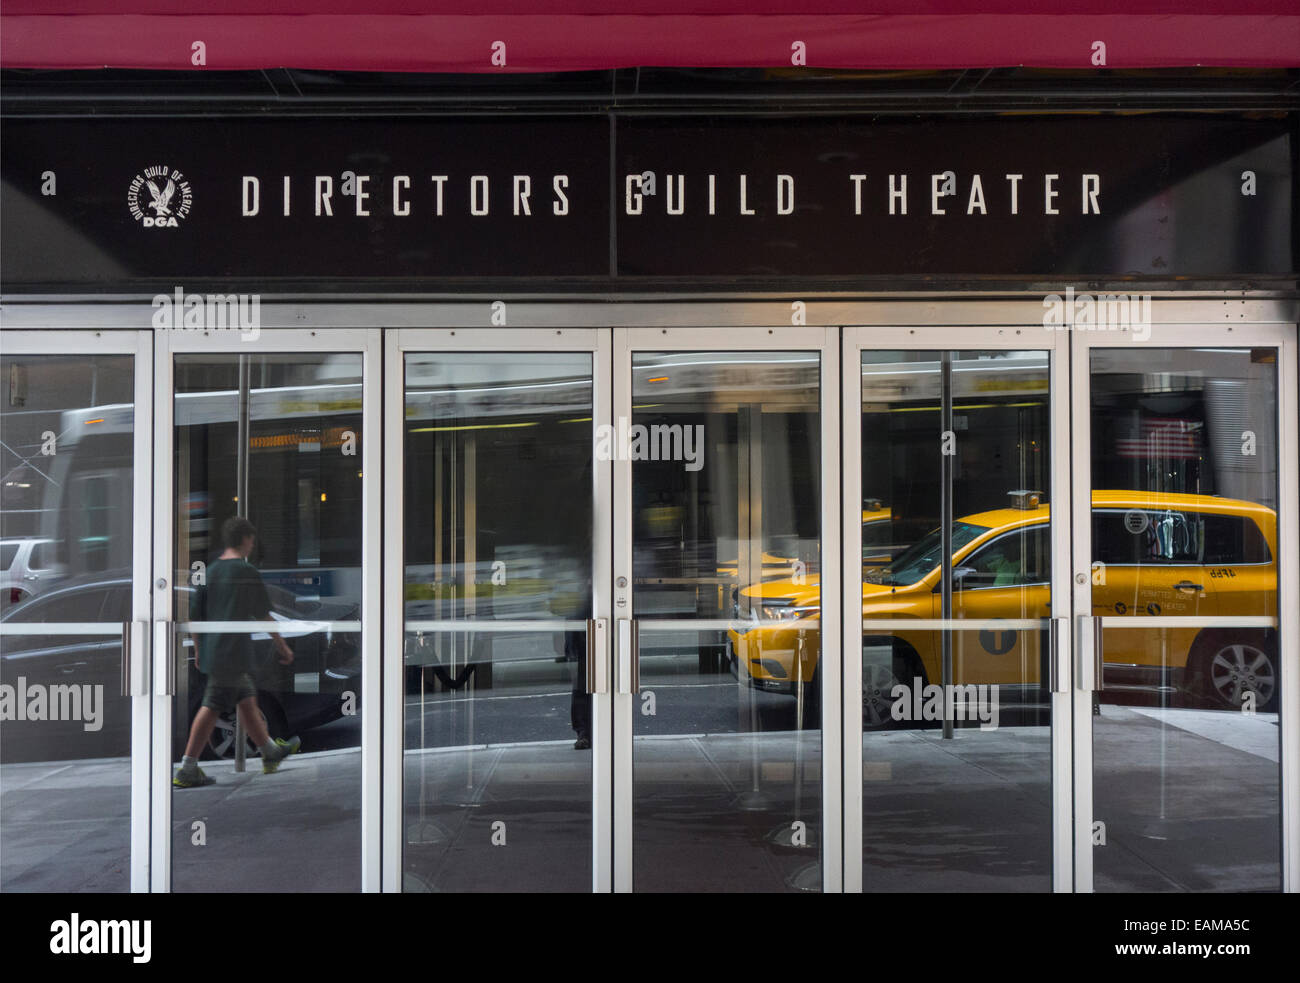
(50, 774)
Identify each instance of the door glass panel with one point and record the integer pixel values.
(956, 744)
(498, 587)
(274, 441)
(67, 428)
(1186, 730)
(726, 501)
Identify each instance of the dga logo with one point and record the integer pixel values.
(159, 197)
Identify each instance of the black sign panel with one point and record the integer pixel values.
(107, 201)
(1071, 195)
(110, 202)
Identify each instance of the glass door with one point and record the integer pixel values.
(266, 753)
(725, 565)
(497, 710)
(1186, 654)
(74, 605)
(955, 560)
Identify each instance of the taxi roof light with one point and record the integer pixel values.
(1024, 498)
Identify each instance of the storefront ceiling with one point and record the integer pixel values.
(508, 36)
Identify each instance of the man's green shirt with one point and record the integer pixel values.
(234, 592)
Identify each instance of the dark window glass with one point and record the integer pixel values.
(1014, 560)
(1234, 539)
(42, 556)
(66, 605)
(1146, 537)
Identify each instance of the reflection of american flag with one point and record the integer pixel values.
(1163, 438)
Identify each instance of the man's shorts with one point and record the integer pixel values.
(223, 694)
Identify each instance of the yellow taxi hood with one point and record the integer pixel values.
(873, 592)
(809, 592)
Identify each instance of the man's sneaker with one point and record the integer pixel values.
(191, 779)
(583, 743)
(285, 748)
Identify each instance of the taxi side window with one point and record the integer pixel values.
(1231, 539)
(1018, 559)
(1152, 537)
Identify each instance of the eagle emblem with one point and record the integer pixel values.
(161, 203)
(159, 197)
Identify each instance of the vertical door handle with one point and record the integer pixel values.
(126, 658)
(1091, 654)
(596, 681)
(629, 657)
(1058, 666)
(133, 643)
(164, 646)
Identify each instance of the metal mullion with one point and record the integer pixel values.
(393, 749)
(854, 341)
(624, 599)
(1081, 593)
(161, 592)
(372, 586)
(833, 592)
(1061, 497)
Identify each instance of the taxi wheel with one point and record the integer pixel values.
(878, 682)
(1230, 667)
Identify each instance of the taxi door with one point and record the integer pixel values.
(1146, 562)
(1006, 577)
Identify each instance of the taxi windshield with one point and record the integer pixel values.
(923, 556)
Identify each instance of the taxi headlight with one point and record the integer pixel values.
(786, 613)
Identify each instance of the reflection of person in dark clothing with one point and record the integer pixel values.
(575, 649)
(575, 644)
(233, 592)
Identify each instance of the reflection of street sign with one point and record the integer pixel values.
(1136, 521)
(998, 642)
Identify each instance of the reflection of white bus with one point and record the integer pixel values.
(87, 505)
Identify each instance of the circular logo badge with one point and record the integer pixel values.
(1136, 521)
(159, 197)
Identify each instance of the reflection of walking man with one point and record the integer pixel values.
(234, 592)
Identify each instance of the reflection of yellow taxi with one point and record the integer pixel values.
(878, 534)
(1170, 555)
(876, 546)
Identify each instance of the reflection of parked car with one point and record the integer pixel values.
(294, 698)
(1172, 555)
(67, 662)
(27, 567)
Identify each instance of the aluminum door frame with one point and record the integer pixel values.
(367, 344)
(1167, 332)
(688, 337)
(398, 342)
(138, 343)
(955, 327)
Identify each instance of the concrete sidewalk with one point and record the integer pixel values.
(1190, 802)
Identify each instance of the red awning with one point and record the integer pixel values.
(572, 35)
